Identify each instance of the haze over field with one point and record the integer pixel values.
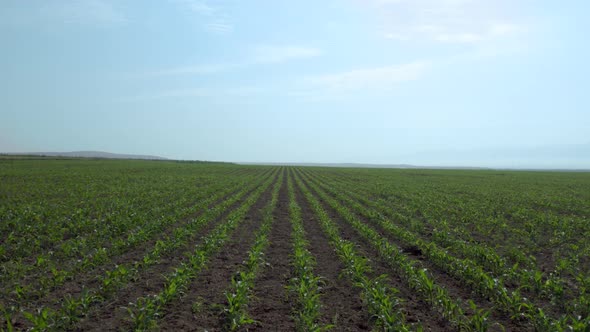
(487, 83)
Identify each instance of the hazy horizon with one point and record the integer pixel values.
(488, 83)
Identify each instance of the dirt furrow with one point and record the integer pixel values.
(270, 307)
(341, 301)
(455, 287)
(111, 315)
(88, 279)
(414, 308)
(201, 307)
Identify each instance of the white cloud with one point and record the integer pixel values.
(373, 79)
(216, 20)
(198, 92)
(195, 70)
(492, 31)
(278, 54)
(193, 92)
(198, 7)
(446, 21)
(237, 92)
(502, 29)
(459, 37)
(333, 86)
(220, 27)
(259, 55)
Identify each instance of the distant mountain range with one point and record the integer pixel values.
(88, 154)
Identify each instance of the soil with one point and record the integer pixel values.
(90, 279)
(543, 258)
(112, 315)
(456, 289)
(414, 309)
(270, 307)
(341, 301)
(201, 307)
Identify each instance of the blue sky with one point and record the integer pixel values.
(493, 83)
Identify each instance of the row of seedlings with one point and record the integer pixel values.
(49, 277)
(72, 309)
(382, 303)
(242, 282)
(417, 278)
(144, 312)
(304, 284)
(492, 287)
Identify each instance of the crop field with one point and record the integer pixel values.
(96, 245)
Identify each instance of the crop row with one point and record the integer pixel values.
(48, 274)
(89, 208)
(73, 309)
(466, 270)
(380, 299)
(145, 311)
(242, 282)
(415, 277)
(304, 284)
(473, 272)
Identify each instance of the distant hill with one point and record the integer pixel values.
(88, 154)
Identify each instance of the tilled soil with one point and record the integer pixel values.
(455, 287)
(341, 302)
(415, 310)
(112, 315)
(201, 307)
(90, 280)
(270, 307)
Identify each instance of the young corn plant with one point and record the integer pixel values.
(478, 322)
(236, 314)
(380, 299)
(43, 320)
(149, 310)
(144, 313)
(484, 282)
(121, 274)
(304, 284)
(384, 305)
(243, 282)
(416, 278)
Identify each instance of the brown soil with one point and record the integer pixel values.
(90, 280)
(341, 301)
(201, 307)
(112, 315)
(87, 278)
(415, 310)
(455, 287)
(270, 307)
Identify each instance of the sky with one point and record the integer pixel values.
(491, 83)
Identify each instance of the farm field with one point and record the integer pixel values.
(95, 245)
